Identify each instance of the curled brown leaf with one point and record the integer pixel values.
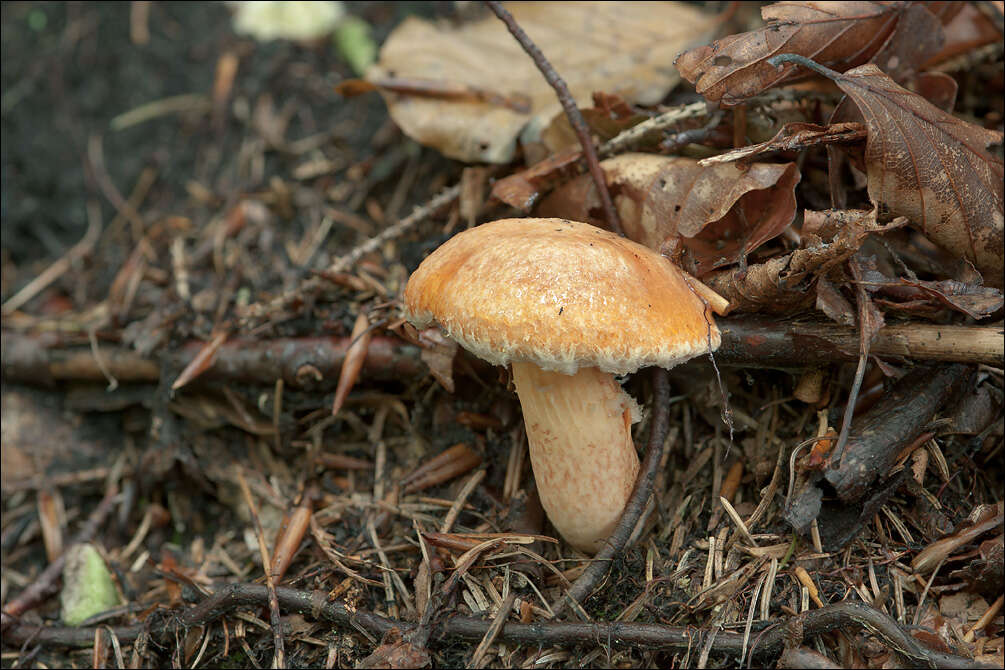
(719, 213)
(928, 165)
(841, 35)
(783, 284)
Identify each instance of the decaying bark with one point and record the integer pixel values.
(859, 475)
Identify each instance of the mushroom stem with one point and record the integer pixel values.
(581, 449)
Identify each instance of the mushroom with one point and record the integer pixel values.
(568, 306)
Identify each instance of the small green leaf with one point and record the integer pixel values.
(354, 41)
(88, 588)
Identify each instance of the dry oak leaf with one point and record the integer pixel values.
(719, 213)
(841, 35)
(928, 165)
(622, 48)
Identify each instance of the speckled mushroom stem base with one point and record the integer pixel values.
(585, 463)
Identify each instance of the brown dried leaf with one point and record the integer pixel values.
(933, 168)
(784, 284)
(870, 319)
(967, 30)
(609, 116)
(937, 88)
(621, 48)
(840, 35)
(833, 304)
(523, 189)
(978, 302)
(438, 353)
(720, 213)
(397, 652)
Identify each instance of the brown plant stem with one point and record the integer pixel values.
(576, 119)
(314, 362)
(584, 585)
(844, 615)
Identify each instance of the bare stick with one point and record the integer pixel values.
(847, 615)
(397, 230)
(314, 362)
(576, 119)
(586, 582)
(56, 270)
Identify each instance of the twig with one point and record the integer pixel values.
(576, 119)
(636, 505)
(56, 270)
(343, 263)
(94, 164)
(844, 615)
(279, 660)
(478, 658)
(866, 334)
(748, 341)
(670, 118)
(48, 582)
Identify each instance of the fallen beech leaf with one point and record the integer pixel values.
(720, 213)
(794, 137)
(523, 189)
(870, 319)
(929, 166)
(899, 36)
(833, 304)
(619, 48)
(937, 88)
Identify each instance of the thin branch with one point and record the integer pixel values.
(343, 263)
(315, 604)
(576, 119)
(57, 269)
(584, 585)
(314, 362)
